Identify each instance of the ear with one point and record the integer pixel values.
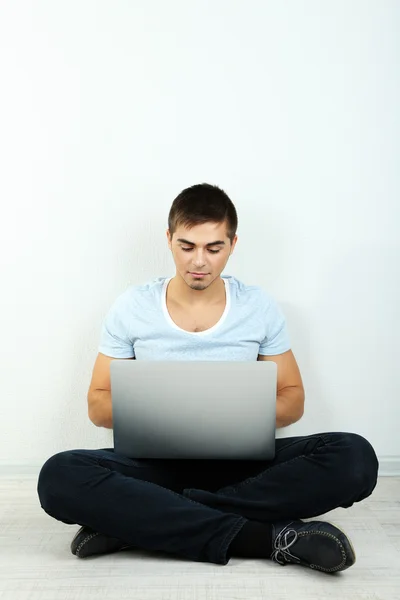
(169, 239)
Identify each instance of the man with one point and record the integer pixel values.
(208, 510)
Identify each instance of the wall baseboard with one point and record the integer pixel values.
(389, 466)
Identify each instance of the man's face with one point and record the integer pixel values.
(198, 256)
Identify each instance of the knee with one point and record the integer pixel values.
(52, 478)
(362, 464)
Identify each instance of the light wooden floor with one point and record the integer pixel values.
(36, 563)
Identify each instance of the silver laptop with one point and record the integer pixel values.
(194, 409)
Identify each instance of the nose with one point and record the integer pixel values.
(199, 262)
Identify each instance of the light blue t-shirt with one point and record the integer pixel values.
(138, 325)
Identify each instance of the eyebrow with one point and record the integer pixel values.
(193, 244)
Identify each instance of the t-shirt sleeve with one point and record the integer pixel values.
(115, 338)
(276, 340)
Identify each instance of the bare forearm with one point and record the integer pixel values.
(289, 406)
(100, 408)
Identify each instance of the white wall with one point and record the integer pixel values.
(109, 109)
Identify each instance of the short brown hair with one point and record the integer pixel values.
(202, 203)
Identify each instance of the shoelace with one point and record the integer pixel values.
(282, 544)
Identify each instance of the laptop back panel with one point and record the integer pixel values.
(194, 409)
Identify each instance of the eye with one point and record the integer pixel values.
(189, 249)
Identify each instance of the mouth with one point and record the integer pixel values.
(198, 274)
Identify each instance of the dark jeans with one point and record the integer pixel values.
(194, 508)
